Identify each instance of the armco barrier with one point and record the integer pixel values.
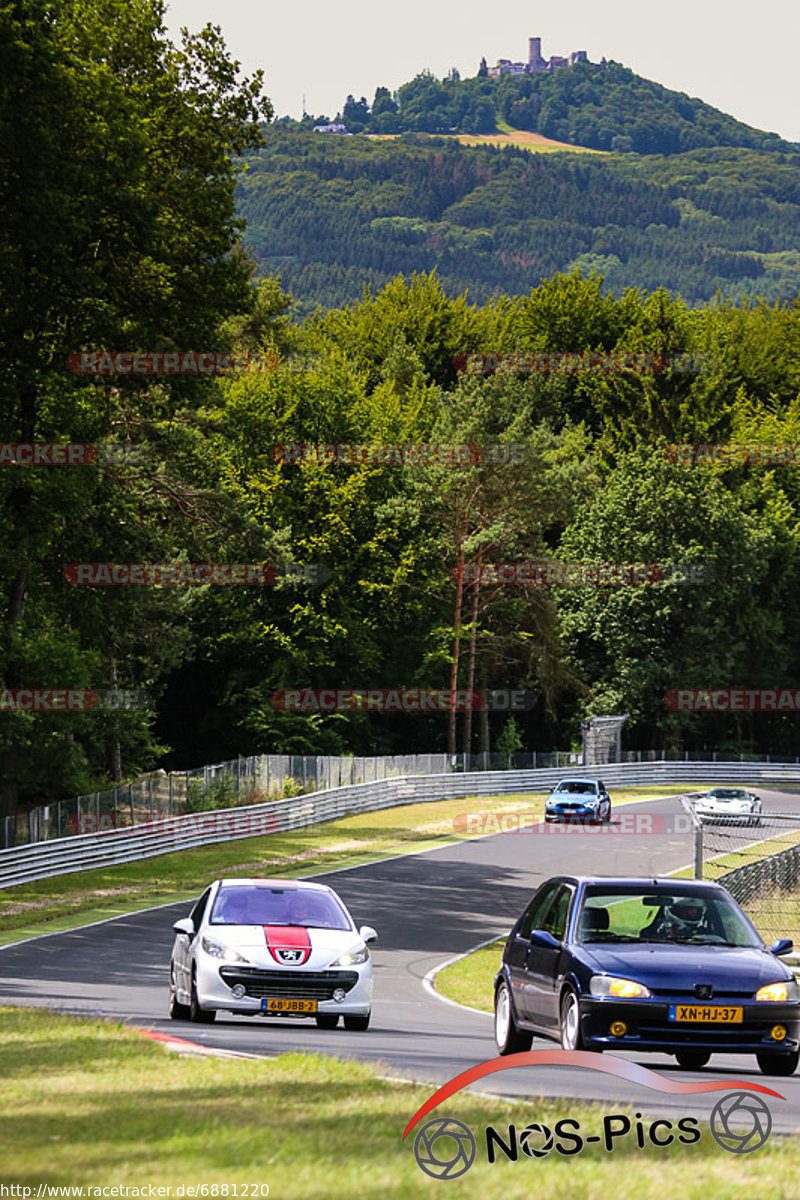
(63, 856)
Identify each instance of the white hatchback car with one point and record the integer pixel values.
(274, 947)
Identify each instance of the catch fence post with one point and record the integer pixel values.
(698, 850)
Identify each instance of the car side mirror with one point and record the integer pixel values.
(542, 939)
(367, 934)
(186, 925)
(782, 946)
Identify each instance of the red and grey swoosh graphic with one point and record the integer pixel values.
(288, 937)
(608, 1063)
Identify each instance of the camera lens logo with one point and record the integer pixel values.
(740, 1122)
(444, 1148)
(528, 1139)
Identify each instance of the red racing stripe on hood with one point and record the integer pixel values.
(284, 942)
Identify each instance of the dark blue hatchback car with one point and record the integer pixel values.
(663, 965)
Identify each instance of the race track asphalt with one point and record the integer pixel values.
(427, 908)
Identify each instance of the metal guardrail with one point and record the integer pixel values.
(23, 864)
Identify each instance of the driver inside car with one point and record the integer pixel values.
(677, 921)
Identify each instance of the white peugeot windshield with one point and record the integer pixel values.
(241, 905)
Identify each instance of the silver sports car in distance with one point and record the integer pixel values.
(274, 948)
(729, 806)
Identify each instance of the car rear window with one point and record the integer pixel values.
(242, 905)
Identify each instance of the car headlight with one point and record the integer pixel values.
(777, 992)
(352, 958)
(623, 989)
(216, 950)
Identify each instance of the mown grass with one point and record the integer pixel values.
(470, 981)
(86, 1102)
(51, 905)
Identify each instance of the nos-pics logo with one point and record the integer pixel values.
(446, 1148)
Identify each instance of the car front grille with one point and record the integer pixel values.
(296, 985)
(681, 1035)
(690, 993)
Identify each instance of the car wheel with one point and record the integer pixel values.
(201, 1016)
(778, 1064)
(508, 1038)
(608, 813)
(571, 1038)
(327, 1020)
(357, 1024)
(692, 1060)
(177, 1011)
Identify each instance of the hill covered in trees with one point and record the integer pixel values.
(333, 214)
(604, 106)
(119, 233)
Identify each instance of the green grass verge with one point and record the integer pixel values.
(90, 1103)
(470, 981)
(68, 901)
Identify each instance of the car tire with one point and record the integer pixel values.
(200, 1016)
(570, 1023)
(356, 1024)
(778, 1064)
(177, 1011)
(692, 1060)
(327, 1020)
(607, 819)
(508, 1038)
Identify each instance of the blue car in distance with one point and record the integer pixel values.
(666, 965)
(578, 800)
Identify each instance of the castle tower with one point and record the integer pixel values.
(534, 51)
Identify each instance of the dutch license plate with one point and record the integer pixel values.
(706, 1014)
(289, 1006)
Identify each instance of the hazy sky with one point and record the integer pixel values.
(740, 57)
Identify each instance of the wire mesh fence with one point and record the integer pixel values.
(241, 781)
(756, 856)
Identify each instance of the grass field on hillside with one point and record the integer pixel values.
(506, 136)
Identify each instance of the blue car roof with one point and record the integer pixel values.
(643, 881)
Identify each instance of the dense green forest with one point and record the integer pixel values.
(119, 233)
(604, 106)
(333, 215)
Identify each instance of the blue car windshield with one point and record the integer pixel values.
(634, 915)
(240, 904)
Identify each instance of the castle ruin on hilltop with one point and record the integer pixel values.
(536, 65)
